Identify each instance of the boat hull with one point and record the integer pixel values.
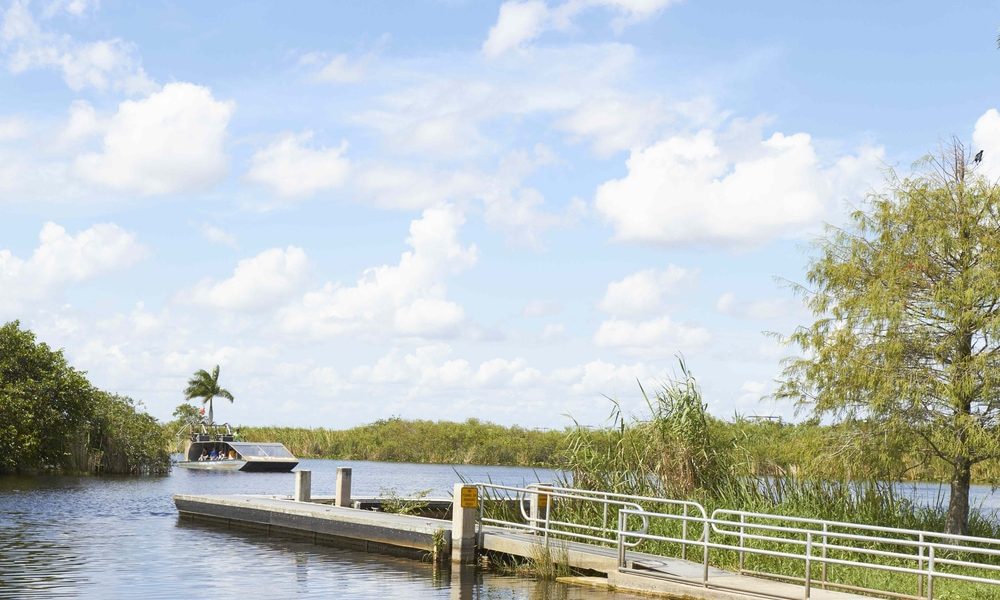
(260, 466)
(212, 465)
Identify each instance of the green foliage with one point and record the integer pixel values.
(396, 440)
(907, 334)
(805, 470)
(52, 418)
(206, 386)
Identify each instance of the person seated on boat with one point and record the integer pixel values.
(204, 455)
(232, 454)
(213, 455)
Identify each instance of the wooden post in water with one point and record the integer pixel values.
(303, 486)
(343, 497)
(465, 513)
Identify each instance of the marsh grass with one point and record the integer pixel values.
(680, 452)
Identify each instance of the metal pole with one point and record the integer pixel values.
(704, 537)
(684, 534)
(920, 565)
(824, 555)
(621, 539)
(743, 519)
(809, 547)
(930, 573)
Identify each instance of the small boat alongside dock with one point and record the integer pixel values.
(220, 450)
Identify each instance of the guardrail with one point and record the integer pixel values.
(628, 521)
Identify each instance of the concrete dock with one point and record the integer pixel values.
(425, 538)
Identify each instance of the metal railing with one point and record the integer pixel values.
(536, 505)
(628, 522)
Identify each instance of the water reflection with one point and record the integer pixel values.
(88, 537)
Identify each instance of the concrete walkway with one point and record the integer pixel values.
(650, 573)
(418, 537)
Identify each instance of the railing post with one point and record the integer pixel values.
(930, 573)
(823, 568)
(743, 519)
(920, 565)
(684, 534)
(704, 559)
(622, 517)
(464, 513)
(538, 504)
(809, 547)
(343, 493)
(303, 486)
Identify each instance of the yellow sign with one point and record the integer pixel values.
(470, 497)
(543, 500)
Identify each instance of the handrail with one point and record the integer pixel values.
(812, 541)
(927, 566)
(547, 526)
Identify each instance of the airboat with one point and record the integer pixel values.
(218, 448)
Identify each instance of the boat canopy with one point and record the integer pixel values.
(250, 450)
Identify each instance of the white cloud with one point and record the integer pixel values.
(82, 123)
(76, 8)
(771, 308)
(602, 377)
(291, 169)
(986, 137)
(521, 21)
(62, 258)
(262, 281)
(103, 64)
(661, 337)
(171, 141)
(643, 292)
(429, 368)
(408, 298)
(517, 23)
(334, 69)
(730, 188)
(13, 128)
(218, 235)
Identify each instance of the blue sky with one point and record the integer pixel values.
(453, 209)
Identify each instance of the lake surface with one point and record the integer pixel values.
(90, 537)
(111, 537)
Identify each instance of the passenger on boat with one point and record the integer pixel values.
(213, 455)
(204, 455)
(232, 454)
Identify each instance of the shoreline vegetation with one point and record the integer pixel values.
(52, 419)
(768, 448)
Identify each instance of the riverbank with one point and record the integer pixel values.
(771, 448)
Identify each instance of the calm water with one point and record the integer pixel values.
(89, 537)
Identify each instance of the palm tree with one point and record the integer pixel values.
(205, 385)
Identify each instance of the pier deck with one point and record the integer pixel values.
(420, 537)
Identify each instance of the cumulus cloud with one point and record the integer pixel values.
(258, 282)
(171, 141)
(986, 137)
(661, 337)
(643, 292)
(102, 65)
(521, 21)
(292, 169)
(62, 259)
(730, 188)
(430, 367)
(517, 23)
(408, 298)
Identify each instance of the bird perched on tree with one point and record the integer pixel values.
(978, 158)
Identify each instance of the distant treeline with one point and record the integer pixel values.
(53, 419)
(809, 449)
(396, 440)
